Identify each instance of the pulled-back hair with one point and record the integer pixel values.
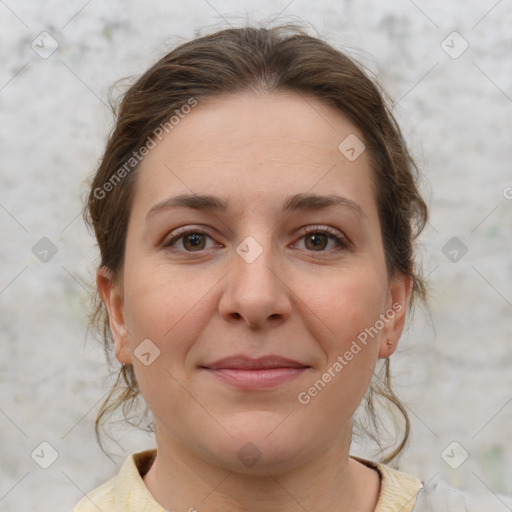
(236, 60)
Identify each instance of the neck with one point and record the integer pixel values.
(179, 480)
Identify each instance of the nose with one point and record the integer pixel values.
(255, 289)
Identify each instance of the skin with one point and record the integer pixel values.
(299, 300)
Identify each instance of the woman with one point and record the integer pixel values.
(256, 209)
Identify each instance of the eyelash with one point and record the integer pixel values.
(341, 241)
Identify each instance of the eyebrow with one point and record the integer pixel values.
(293, 203)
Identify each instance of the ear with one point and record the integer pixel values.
(113, 299)
(400, 289)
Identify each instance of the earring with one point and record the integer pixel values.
(390, 343)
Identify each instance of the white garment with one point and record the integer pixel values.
(439, 497)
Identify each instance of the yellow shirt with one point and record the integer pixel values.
(127, 492)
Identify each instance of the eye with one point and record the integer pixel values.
(316, 238)
(192, 240)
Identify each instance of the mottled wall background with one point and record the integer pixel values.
(453, 94)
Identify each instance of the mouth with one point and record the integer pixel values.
(248, 373)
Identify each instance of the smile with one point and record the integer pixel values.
(247, 373)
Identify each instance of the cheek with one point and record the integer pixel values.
(341, 317)
(160, 308)
(346, 305)
(168, 308)
(151, 306)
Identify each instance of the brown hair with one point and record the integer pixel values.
(283, 58)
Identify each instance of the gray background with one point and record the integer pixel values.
(453, 370)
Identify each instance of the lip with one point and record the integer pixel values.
(243, 362)
(255, 373)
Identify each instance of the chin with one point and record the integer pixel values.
(261, 443)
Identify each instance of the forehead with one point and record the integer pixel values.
(277, 120)
(249, 146)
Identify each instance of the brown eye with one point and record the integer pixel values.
(192, 240)
(317, 238)
(318, 241)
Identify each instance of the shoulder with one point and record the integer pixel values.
(125, 491)
(398, 490)
(438, 496)
(406, 493)
(100, 498)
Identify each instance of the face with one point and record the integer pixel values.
(256, 270)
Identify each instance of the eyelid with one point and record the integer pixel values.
(340, 238)
(313, 228)
(184, 230)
